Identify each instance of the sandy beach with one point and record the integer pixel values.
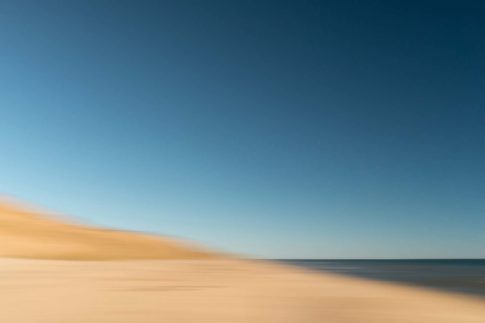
(46, 291)
(56, 272)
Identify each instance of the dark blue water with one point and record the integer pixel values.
(464, 276)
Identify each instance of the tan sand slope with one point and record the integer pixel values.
(212, 291)
(29, 234)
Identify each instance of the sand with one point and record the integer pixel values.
(43, 291)
(28, 233)
(173, 282)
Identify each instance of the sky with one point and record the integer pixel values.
(274, 129)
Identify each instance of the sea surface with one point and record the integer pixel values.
(463, 276)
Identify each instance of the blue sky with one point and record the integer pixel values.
(285, 129)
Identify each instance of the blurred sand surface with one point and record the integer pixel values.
(173, 282)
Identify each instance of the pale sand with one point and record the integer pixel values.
(208, 289)
(225, 291)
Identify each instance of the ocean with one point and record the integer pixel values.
(454, 275)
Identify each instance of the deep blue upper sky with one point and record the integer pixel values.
(296, 129)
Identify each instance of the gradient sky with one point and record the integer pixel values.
(286, 129)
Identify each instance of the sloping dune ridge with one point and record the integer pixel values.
(27, 233)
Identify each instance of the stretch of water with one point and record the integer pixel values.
(456, 275)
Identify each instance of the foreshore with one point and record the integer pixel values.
(219, 290)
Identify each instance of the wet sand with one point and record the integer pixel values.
(49, 291)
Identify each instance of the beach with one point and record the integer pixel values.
(53, 271)
(49, 291)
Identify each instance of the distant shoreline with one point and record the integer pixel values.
(466, 276)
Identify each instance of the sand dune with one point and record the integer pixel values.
(25, 233)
